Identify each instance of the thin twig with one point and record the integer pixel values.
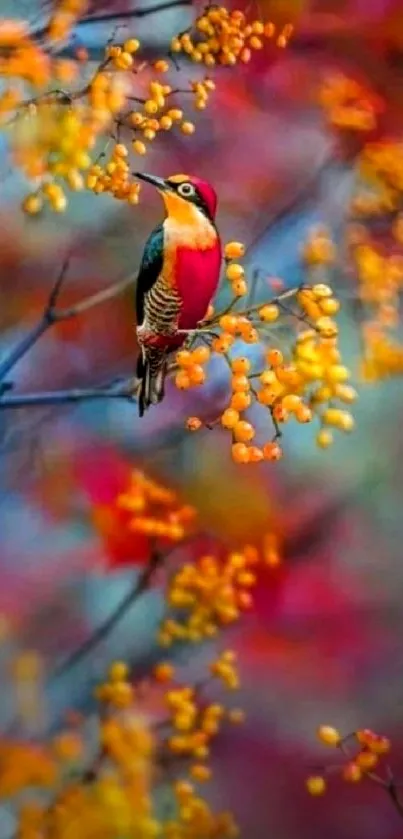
(64, 397)
(51, 315)
(140, 586)
(47, 319)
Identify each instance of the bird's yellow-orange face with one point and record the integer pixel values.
(183, 195)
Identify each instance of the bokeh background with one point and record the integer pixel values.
(324, 641)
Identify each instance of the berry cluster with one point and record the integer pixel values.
(374, 238)
(349, 105)
(225, 37)
(362, 752)
(113, 176)
(54, 132)
(155, 510)
(208, 594)
(306, 381)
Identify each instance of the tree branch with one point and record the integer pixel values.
(51, 316)
(140, 586)
(64, 397)
(133, 14)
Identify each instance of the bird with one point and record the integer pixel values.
(178, 277)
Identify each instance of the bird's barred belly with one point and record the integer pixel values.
(162, 308)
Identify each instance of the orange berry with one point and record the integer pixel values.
(161, 66)
(290, 402)
(303, 413)
(255, 454)
(234, 250)
(240, 383)
(196, 374)
(244, 431)
(240, 365)
(267, 396)
(240, 401)
(272, 451)
(184, 358)
(200, 355)
(163, 671)
(200, 772)
(352, 773)
(279, 413)
(244, 325)
(366, 760)
(223, 343)
(229, 418)
(228, 323)
(240, 453)
(182, 380)
(269, 29)
(274, 357)
(193, 423)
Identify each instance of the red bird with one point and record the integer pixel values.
(178, 277)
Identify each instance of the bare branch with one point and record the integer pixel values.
(141, 585)
(52, 316)
(126, 390)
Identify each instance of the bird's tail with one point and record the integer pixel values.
(151, 370)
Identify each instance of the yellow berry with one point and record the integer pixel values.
(239, 288)
(321, 291)
(118, 671)
(187, 128)
(131, 45)
(234, 272)
(329, 735)
(316, 785)
(324, 438)
(166, 122)
(269, 313)
(139, 147)
(32, 204)
(200, 772)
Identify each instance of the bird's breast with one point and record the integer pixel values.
(192, 264)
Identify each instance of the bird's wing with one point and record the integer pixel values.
(150, 269)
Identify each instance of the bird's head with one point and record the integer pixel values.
(180, 192)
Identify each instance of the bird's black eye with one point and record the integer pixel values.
(186, 190)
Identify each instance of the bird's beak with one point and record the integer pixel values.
(152, 179)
